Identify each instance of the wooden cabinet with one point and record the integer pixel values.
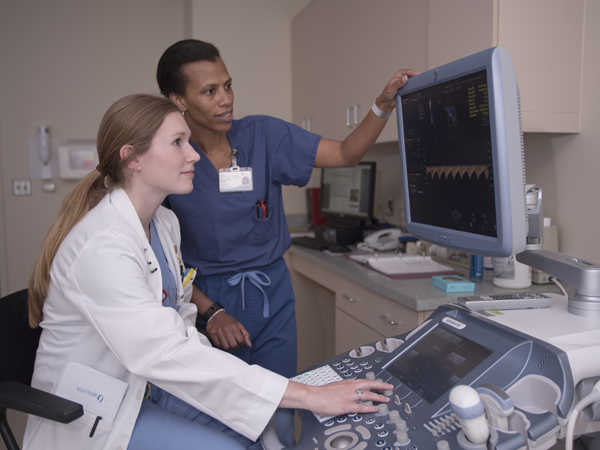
(351, 333)
(359, 60)
(408, 47)
(358, 45)
(544, 39)
(344, 51)
(374, 317)
(314, 290)
(311, 69)
(370, 41)
(335, 315)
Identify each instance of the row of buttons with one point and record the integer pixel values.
(349, 362)
(348, 367)
(441, 427)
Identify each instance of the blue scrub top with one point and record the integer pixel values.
(220, 232)
(169, 290)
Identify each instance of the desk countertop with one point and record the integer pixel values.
(417, 294)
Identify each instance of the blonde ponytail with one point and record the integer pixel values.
(83, 197)
(132, 120)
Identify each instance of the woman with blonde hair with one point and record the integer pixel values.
(108, 291)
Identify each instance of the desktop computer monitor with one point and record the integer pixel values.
(461, 154)
(347, 195)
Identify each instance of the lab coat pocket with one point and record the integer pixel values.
(77, 433)
(262, 229)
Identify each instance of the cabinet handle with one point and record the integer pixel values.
(350, 298)
(308, 124)
(384, 317)
(356, 114)
(348, 117)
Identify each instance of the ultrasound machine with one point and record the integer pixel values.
(522, 379)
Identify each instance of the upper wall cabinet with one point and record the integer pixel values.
(345, 51)
(408, 47)
(343, 54)
(359, 66)
(370, 41)
(544, 39)
(311, 70)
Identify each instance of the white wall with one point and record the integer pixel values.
(254, 38)
(63, 63)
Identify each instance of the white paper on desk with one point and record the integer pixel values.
(406, 264)
(100, 394)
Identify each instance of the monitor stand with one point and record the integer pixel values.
(583, 275)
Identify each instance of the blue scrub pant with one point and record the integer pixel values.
(274, 339)
(165, 422)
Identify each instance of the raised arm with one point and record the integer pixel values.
(349, 152)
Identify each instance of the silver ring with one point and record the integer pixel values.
(360, 393)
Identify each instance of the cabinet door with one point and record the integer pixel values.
(311, 80)
(381, 314)
(459, 28)
(351, 333)
(360, 50)
(314, 289)
(408, 48)
(545, 41)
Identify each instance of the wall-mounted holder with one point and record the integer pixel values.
(43, 163)
(76, 159)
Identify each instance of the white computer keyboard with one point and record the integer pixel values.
(318, 377)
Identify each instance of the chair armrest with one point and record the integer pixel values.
(20, 397)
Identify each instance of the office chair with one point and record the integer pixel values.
(18, 344)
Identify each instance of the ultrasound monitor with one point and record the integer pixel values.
(461, 154)
(347, 195)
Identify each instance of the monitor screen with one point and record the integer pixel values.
(347, 194)
(461, 155)
(437, 362)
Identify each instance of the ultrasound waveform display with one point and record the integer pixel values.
(458, 171)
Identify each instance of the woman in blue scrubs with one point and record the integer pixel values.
(233, 224)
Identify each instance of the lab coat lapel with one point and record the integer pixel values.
(120, 200)
(122, 203)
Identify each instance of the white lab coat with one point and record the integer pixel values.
(104, 310)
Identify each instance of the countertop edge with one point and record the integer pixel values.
(417, 294)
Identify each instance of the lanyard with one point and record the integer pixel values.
(234, 155)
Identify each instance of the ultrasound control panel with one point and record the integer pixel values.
(453, 347)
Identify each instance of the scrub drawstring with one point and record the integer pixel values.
(253, 275)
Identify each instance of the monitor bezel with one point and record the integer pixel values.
(507, 155)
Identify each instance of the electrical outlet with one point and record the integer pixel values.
(21, 187)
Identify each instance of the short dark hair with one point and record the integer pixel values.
(169, 73)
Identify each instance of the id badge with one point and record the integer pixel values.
(236, 179)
